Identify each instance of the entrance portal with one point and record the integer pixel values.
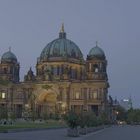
(46, 104)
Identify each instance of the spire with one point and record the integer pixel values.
(130, 102)
(30, 68)
(62, 33)
(62, 28)
(30, 71)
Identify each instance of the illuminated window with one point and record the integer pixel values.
(77, 95)
(3, 95)
(95, 68)
(95, 95)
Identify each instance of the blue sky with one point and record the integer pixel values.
(28, 25)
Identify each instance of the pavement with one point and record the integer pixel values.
(112, 133)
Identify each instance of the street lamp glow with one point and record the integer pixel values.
(117, 112)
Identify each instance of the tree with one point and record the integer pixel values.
(72, 121)
(121, 114)
(91, 119)
(83, 119)
(133, 116)
(103, 118)
(32, 99)
(12, 116)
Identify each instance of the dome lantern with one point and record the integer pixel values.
(62, 33)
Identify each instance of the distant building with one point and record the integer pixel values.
(113, 104)
(63, 81)
(126, 103)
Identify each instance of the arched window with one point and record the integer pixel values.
(72, 73)
(52, 71)
(62, 69)
(20, 95)
(95, 68)
(11, 70)
(5, 70)
(58, 70)
(55, 70)
(95, 94)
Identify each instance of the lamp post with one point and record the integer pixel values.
(116, 115)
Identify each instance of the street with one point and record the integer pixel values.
(111, 133)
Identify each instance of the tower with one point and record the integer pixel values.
(9, 67)
(96, 64)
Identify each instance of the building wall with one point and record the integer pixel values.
(54, 97)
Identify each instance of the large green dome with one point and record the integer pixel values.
(96, 52)
(61, 48)
(8, 57)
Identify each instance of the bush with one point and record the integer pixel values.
(91, 119)
(133, 116)
(12, 116)
(104, 118)
(3, 113)
(72, 119)
(83, 119)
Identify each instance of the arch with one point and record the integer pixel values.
(47, 96)
(46, 102)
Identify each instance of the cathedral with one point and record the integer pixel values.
(63, 81)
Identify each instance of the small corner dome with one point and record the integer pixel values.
(8, 57)
(61, 48)
(96, 52)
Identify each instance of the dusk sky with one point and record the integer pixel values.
(28, 25)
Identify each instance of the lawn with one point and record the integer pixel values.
(32, 125)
